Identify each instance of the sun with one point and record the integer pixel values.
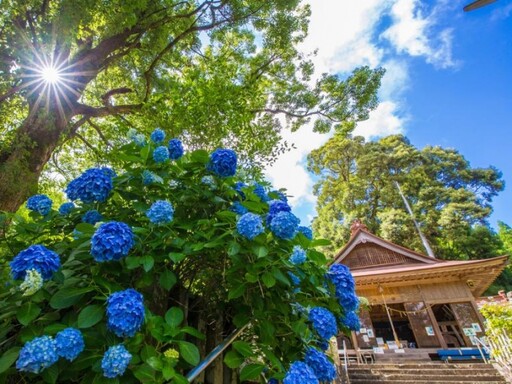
(50, 74)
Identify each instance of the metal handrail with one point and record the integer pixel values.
(346, 379)
(479, 344)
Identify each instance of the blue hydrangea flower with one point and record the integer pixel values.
(276, 206)
(324, 322)
(157, 136)
(238, 187)
(66, 208)
(341, 277)
(351, 321)
(41, 204)
(92, 217)
(115, 361)
(69, 343)
(323, 345)
(306, 232)
(238, 208)
(149, 177)
(249, 225)
(284, 225)
(280, 195)
(348, 300)
(259, 191)
(322, 367)
(160, 154)
(138, 138)
(35, 257)
(175, 149)
(300, 373)
(95, 184)
(125, 312)
(111, 241)
(161, 212)
(298, 256)
(294, 278)
(37, 354)
(223, 162)
(272, 381)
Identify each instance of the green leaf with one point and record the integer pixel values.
(176, 257)
(200, 156)
(251, 371)
(85, 228)
(155, 363)
(236, 292)
(260, 251)
(145, 374)
(317, 257)
(67, 297)
(8, 358)
(167, 279)
(268, 279)
(132, 262)
(147, 262)
(27, 312)
(320, 243)
(276, 272)
(168, 372)
(243, 347)
(251, 278)
(233, 359)
(178, 379)
(90, 316)
(189, 352)
(192, 332)
(50, 374)
(233, 249)
(174, 316)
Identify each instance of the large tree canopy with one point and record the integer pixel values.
(450, 199)
(214, 72)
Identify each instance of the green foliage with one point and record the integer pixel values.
(450, 199)
(211, 72)
(498, 317)
(191, 272)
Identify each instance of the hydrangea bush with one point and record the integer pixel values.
(150, 266)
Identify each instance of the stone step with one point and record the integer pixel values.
(438, 366)
(446, 378)
(415, 371)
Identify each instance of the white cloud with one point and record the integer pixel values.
(346, 35)
(412, 32)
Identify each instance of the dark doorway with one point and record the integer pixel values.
(382, 326)
(450, 329)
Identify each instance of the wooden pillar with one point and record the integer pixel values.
(437, 330)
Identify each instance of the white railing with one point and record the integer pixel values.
(344, 374)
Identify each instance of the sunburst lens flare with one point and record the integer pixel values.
(50, 75)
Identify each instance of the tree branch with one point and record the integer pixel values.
(88, 144)
(88, 111)
(100, 133)
(11, 92)
(105, 98)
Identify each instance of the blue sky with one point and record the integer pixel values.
(448, 82)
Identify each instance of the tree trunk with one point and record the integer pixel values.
(22, 163)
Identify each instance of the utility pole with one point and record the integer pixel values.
(422, 236)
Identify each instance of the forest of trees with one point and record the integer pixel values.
(451, 200)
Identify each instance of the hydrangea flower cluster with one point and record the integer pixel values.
(37, 354)
(69, 343)
(223, 162)
(32, 283)
(157, 136)
(95, 184)
(249, 225)
(306, 232)
(111, 241)
(92, 217)
(344, 284)
(115, 361)
(238, 187)
(125, 312)
(175, 148)
(138, 138)
(259, 191)
(161, 212)
(160, 154)
(351, 321)
(298, 255)
(324, 322)
(324, 369)
(35, 257)
(284, 225)
(66, 208)
(172, 354)
(281, 196)
(294, 278)
(149, 177)
(238, 208)
(208, 180)
(300, 373)
(276, 206)
(323, 345)
(41, 204)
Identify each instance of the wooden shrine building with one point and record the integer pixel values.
(416, 301)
